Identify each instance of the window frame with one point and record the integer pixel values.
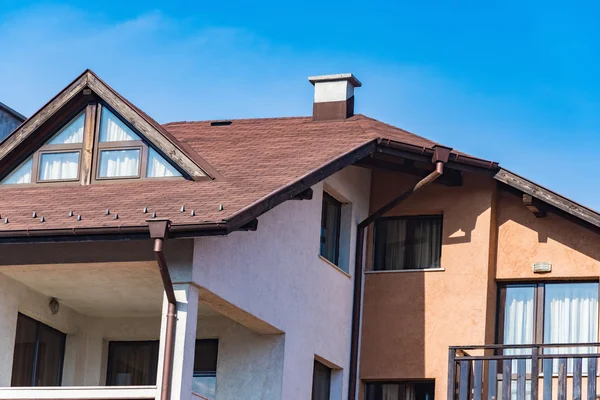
(36, 156)
(330, 199)
(124, 145)
(406, 255)
(422, 382)
(39, 326)
(89, 152)
(538, 305)
(329, 372)
(152, 374)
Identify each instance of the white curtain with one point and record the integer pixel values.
(20, 175)
(158, 167)
(119, 163)
(112, 129)
(519, 321)
(571, 316)
(59, 166)
(427, 243)
(72, 133)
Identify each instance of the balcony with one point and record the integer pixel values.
(520, 372)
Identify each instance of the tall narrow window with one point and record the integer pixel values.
(132, 363)
(408, 243)
(321, 386)
(570, 315)
(39, 354)
(330, 228)
(205, 368)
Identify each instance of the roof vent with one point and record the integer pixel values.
(220, 123)
(334, 96)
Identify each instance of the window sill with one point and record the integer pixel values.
(394, 271)
(335, 266)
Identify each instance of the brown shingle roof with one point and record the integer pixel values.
(255, 158)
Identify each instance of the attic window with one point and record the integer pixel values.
(116, 152)
(57, 160)
(123, 154)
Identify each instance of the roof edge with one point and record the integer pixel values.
(13, 112)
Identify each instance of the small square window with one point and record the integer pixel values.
(119, 163)
(408, 243)
(330, 228)
(61, 166)
(132, 363)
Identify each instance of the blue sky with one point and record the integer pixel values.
(516, 82)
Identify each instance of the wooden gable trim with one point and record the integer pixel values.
(194, 166)
(179, 153)
(40, 117)
(547, 196)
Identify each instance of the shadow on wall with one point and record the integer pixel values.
(552, 238)
(407, 327)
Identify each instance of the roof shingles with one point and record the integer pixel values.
(255, 157)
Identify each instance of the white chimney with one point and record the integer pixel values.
(334, 96)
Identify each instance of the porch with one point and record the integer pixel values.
(97, 330)
(520, 372)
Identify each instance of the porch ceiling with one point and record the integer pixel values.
(120, 289)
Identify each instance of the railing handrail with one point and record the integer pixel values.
(523, 346)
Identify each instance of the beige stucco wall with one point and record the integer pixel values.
(410, 318)
(573, 250)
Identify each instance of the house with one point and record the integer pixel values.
(324, 257)
(9, 120)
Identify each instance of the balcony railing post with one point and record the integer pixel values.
(451, 373)
(535, 372)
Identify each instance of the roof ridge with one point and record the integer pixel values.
(396, 128)
(236, 119)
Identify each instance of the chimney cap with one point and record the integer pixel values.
(335, 78)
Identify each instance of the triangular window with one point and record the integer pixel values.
(123, 154)
(56, 160)
(22, 174)
(114, 151)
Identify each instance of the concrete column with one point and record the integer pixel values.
(185, 342)
(8, 328)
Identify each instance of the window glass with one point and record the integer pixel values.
(330, 228)
(119, 163)
(112, 129)
(158, 167)
(321, 386)
(132, 363)
(400, 391)
(59, 166)
(408, 243)
(38, 355)
(20, 175)
(205, 368)
(571, 316)
(71, 133)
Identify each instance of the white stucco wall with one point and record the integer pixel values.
(249, 365)
(276, 274)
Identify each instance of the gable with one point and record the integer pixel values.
(118, 152)
(90, 102)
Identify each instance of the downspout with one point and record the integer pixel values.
(440, 157)
(158, 231)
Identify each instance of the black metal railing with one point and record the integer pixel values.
(523, 372)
